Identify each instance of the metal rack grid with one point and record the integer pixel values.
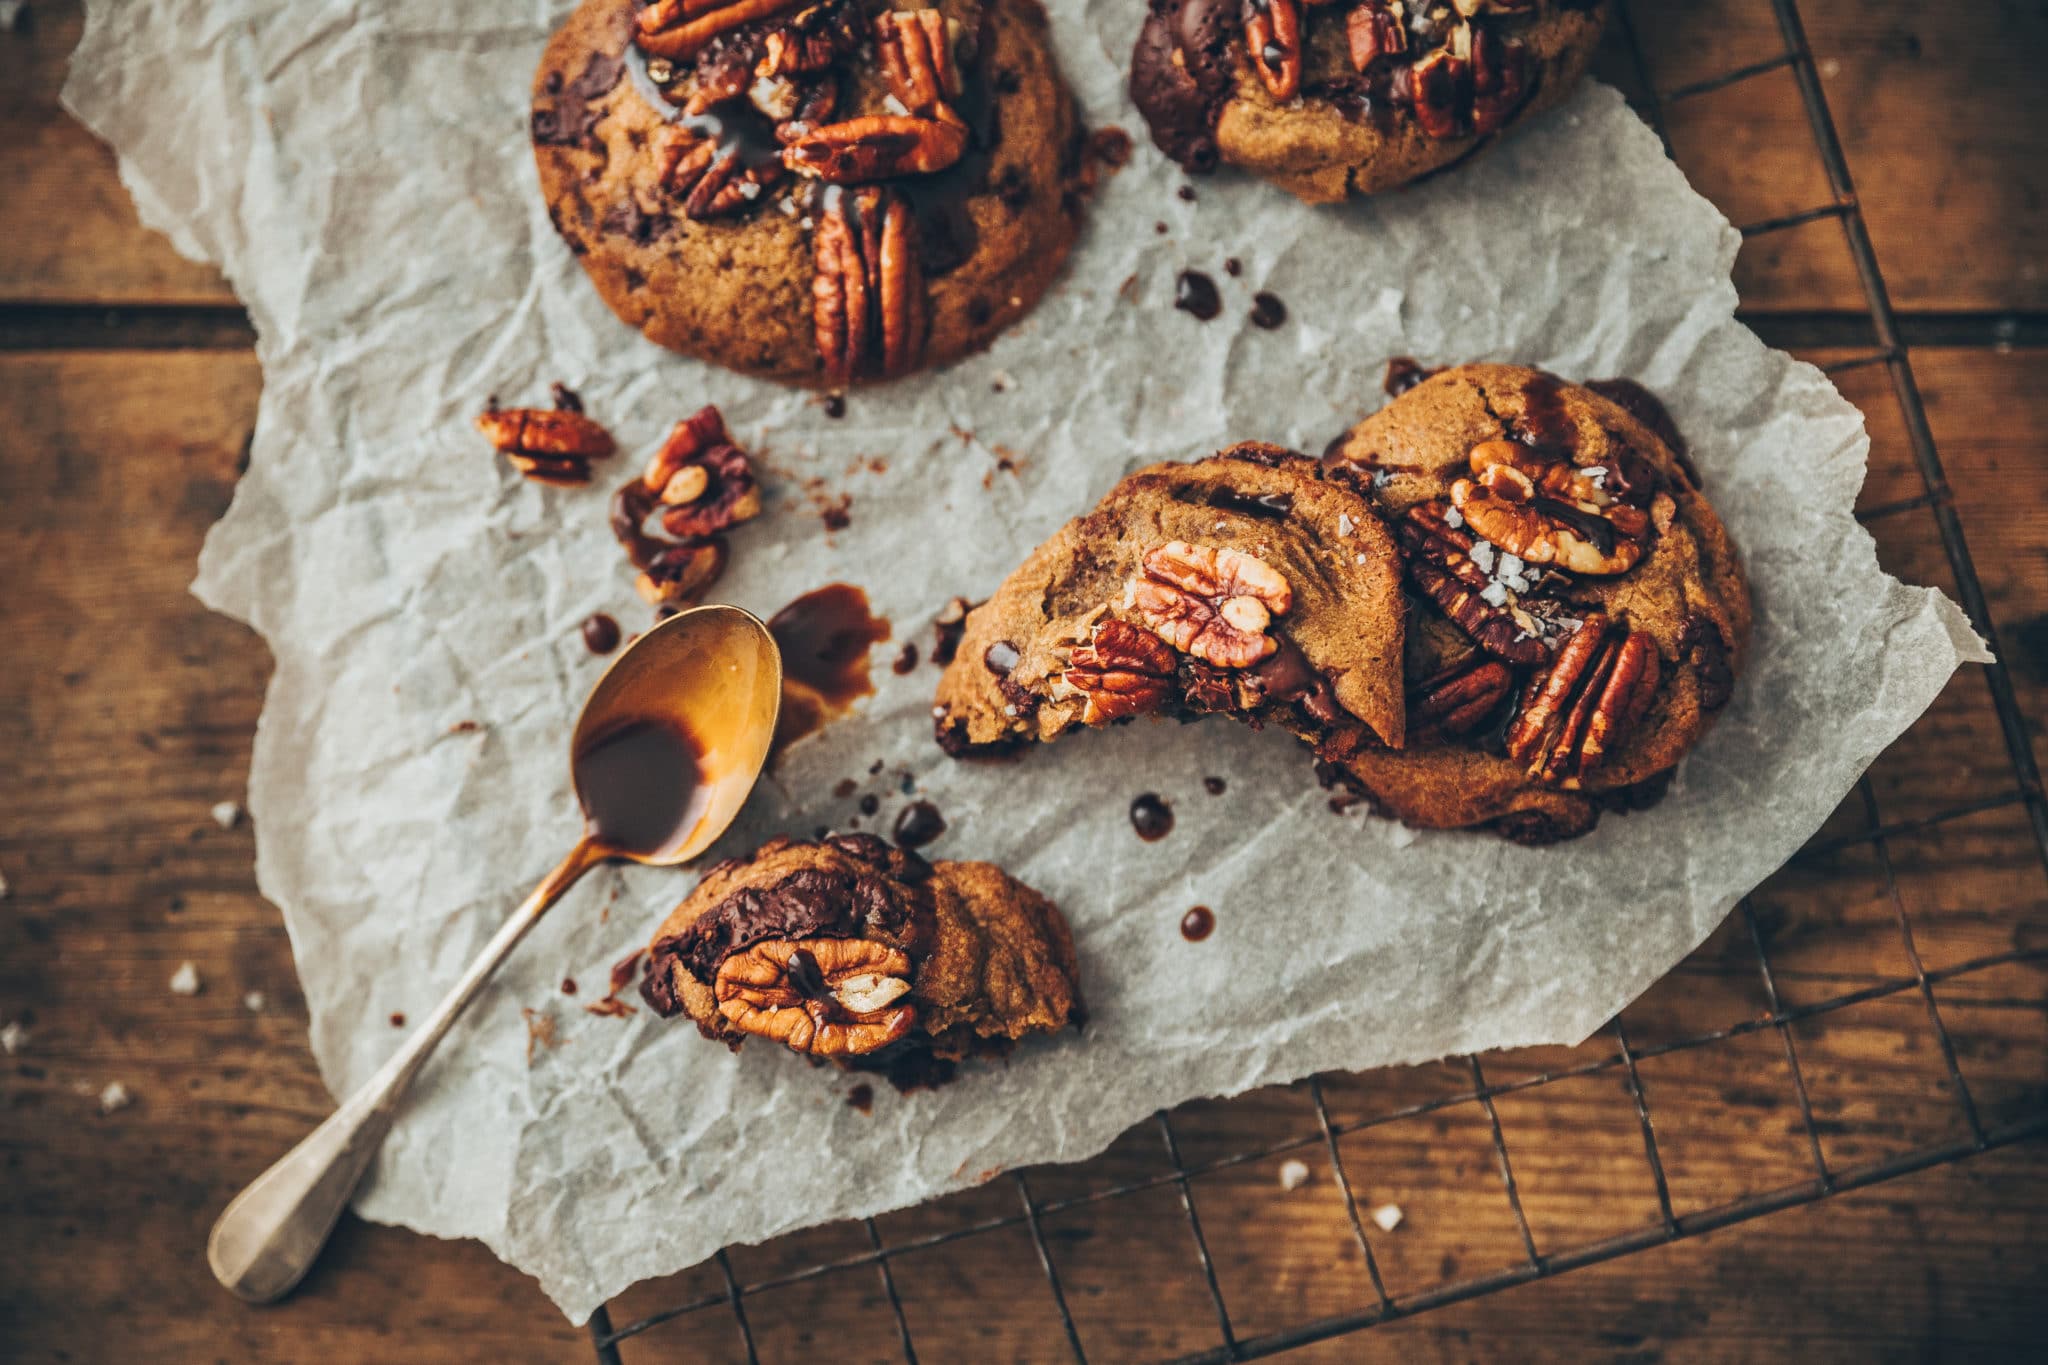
(1877, 834)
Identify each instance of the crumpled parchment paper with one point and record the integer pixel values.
(360, 170)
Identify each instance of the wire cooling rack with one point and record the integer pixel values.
(728, 1294)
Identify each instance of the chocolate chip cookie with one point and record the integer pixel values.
(1332, 99)
(863, 954)
(1578, 614)
(821, 195)
(1249, 584)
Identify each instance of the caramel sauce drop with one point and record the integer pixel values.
(825, 636)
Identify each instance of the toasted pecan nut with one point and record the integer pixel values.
(1586, 703)
(1209, 601)
(1121, 670)
(868, 306)
(1553, 512)
(1500, 80)
(1456, 700)
(703, 481)
(1505, 623)
(811, 40)
(547, 445)
(917, 58)
(876, 147)
(1272, 30)
(1371, 32)
(825, 997)
(681, 36)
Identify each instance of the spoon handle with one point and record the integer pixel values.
(268, 1238)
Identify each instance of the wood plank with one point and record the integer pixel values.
(126, 711)
(1940, 110)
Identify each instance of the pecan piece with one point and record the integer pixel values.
(876, 147)
(812, 40)
(1209, 601)
(1120, 671)
(713, 182)
(825, 997)
(680, 29)
(703, 481)
(1586, 703)
(868, 305)
(1500, 80)
(1458, 698)
(547, 445)
(1439, 88)
(1554, 512)
(1439, 558)
(1371, 32)
(1272, 30)
(917, 58)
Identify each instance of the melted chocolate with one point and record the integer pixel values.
(825, 636)
(1183, 70)
(862, 1097)
(1195, 294)
(565, 398)
(1286, 675)
(1197, 924)
(600, 633)
(568, 985)
(1213, 785)
(870, 803)
(640, 786)
(1597, 530)
(572, 118)
(835, 405)
(1544, 425)
(1268, 312)
(397, 1019)
(906, 659)
(1404, 372)
(918, 824)
(1233, 267)
(1648, 409)
(1151, 817)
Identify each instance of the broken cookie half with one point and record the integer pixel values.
(1248, 584)
(852, 951)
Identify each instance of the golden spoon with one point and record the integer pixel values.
(665, 752)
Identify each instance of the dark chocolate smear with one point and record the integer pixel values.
(1181, 100)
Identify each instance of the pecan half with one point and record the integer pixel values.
(826, 997)
(876, 147)
(703, 481)
(917, 58)
(680, 29)
(712, 181)
(1120, 671)
(868, 306)
(1439, 88)
(1272, 30)
(1209, 601)
(812, 40)
(1554, 512)
(1586, 703)
(1505, 623)
(1500, 80)
(1457, 699)
(547, 445)
(1371, 32)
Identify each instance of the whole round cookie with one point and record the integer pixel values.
(821, 195)
(1332, 99)
(1577, 613)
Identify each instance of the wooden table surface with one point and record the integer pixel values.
(127, 393)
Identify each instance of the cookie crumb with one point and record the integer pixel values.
(13, 1038)
(227, 814)
(185, 981)
(115, 1096)
(1387, 1217)
(253, 1002)
(1293, 1174)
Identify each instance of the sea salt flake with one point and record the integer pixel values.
(1382, 477)
(115, 1096)
(13, 1037)
(185, 981)
(1453, 518)
(750, 189)
(1387, 1217)
(1483, 556)
(253, 1002)
(1510, 564)
(227, 814)
(896, 106)
(1495, 595)
(1293, 1174)
(1344, 523)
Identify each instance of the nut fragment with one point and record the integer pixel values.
(811, 40)
(680, 29)
(1585, 704)
(1554, 512)
(547, 445)
(876, 147)
(1209, 601)
(826, 997)
(1458, 698)
(705, 482)
(1371, 31)
(1503, 622)
(713, 181)
(868, 305)
(1272, 30)
(1119, 671)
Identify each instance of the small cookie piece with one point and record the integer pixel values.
(821, 194)
(1328, 100)
(1247, 583)
(1579, 613)
(864, 954)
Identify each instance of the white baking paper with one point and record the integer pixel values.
(360, 170)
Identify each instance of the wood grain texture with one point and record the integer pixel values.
(127, 710)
